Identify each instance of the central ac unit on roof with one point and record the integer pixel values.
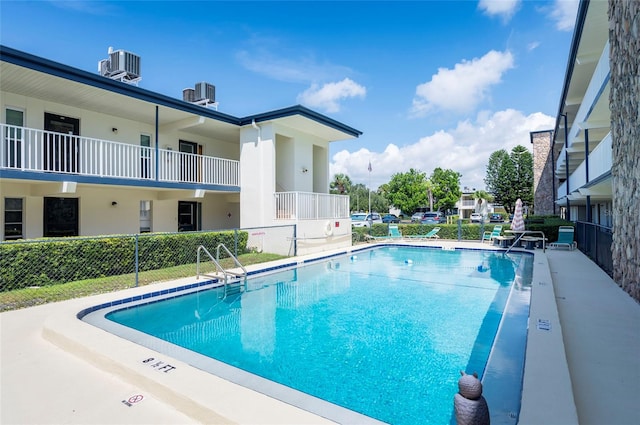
(123, 61)
(205, 91)
(121, 65)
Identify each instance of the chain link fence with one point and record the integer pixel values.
(34, 272)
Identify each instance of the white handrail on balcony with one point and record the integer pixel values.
(310, 206)
(192, 168)
(31, 149)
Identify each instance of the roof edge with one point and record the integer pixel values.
(47, 66)
(305, 112)
(573, 52)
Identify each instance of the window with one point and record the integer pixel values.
(60, 217)
(189, 216)
(13, 218)
(145, 216)
(145, 156)
(13, 138)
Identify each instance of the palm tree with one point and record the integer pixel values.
(481, 196)
(429, 185)
(341, 184)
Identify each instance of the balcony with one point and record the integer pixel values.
(600, 162)
(29, 149)
(310, 206)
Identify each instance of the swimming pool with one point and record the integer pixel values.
(383, 331)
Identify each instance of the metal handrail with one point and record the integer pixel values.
(529, 232)
(233, 257)
(219, 268)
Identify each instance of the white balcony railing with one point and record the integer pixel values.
(30, 149)
(310, 206)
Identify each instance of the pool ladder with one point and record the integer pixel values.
(234, 281)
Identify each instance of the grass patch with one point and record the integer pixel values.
(27, 297)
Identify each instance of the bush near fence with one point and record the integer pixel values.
(447, 231)
(470, 232)
(45, 262)
(548, 224)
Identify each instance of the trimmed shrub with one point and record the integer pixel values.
(48, 262)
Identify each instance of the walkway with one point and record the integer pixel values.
(601, 331)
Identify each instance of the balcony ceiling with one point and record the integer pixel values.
(594, 36)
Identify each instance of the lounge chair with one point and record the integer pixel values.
(431, 235)
(565, 238)
(490, 236)
(394, 233)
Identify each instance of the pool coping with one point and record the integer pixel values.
(206, 398)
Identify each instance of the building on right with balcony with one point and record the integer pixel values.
(593, 152)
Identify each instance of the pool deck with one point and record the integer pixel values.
(582, 362)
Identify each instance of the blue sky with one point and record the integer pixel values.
(429, 83)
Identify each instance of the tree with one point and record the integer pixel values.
(446, 188)
(523, 162)
(379, 202)
(359, 197)
(482, 196)
(340, 185)
(510, 176)
(407, 191)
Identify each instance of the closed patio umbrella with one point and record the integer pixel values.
(518, 221)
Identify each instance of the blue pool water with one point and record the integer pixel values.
(383, 332)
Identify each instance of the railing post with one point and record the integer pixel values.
(459, 229)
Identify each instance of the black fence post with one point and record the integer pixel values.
(459, 229)
(137, 260)
(235, 242)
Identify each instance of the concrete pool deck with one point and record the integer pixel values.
(57, 369)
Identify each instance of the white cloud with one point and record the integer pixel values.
(502, 8)
(533, 45)
(564, 13)
(462, 88)
(274, 59)
(329, 95)
(465, 149)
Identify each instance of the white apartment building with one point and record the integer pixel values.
(86, 154)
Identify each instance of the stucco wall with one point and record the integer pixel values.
(624, 29)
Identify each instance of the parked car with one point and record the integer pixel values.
(496, 218)
(416, 217)
(433, 217)
(390, 218)
(364, 219)
(476, 218)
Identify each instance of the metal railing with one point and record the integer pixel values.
(595, 241)
(29, 149)
(310, 206)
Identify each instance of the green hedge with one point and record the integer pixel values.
(447, 231)
(49, 262)
(549, 226)
(468, 231)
